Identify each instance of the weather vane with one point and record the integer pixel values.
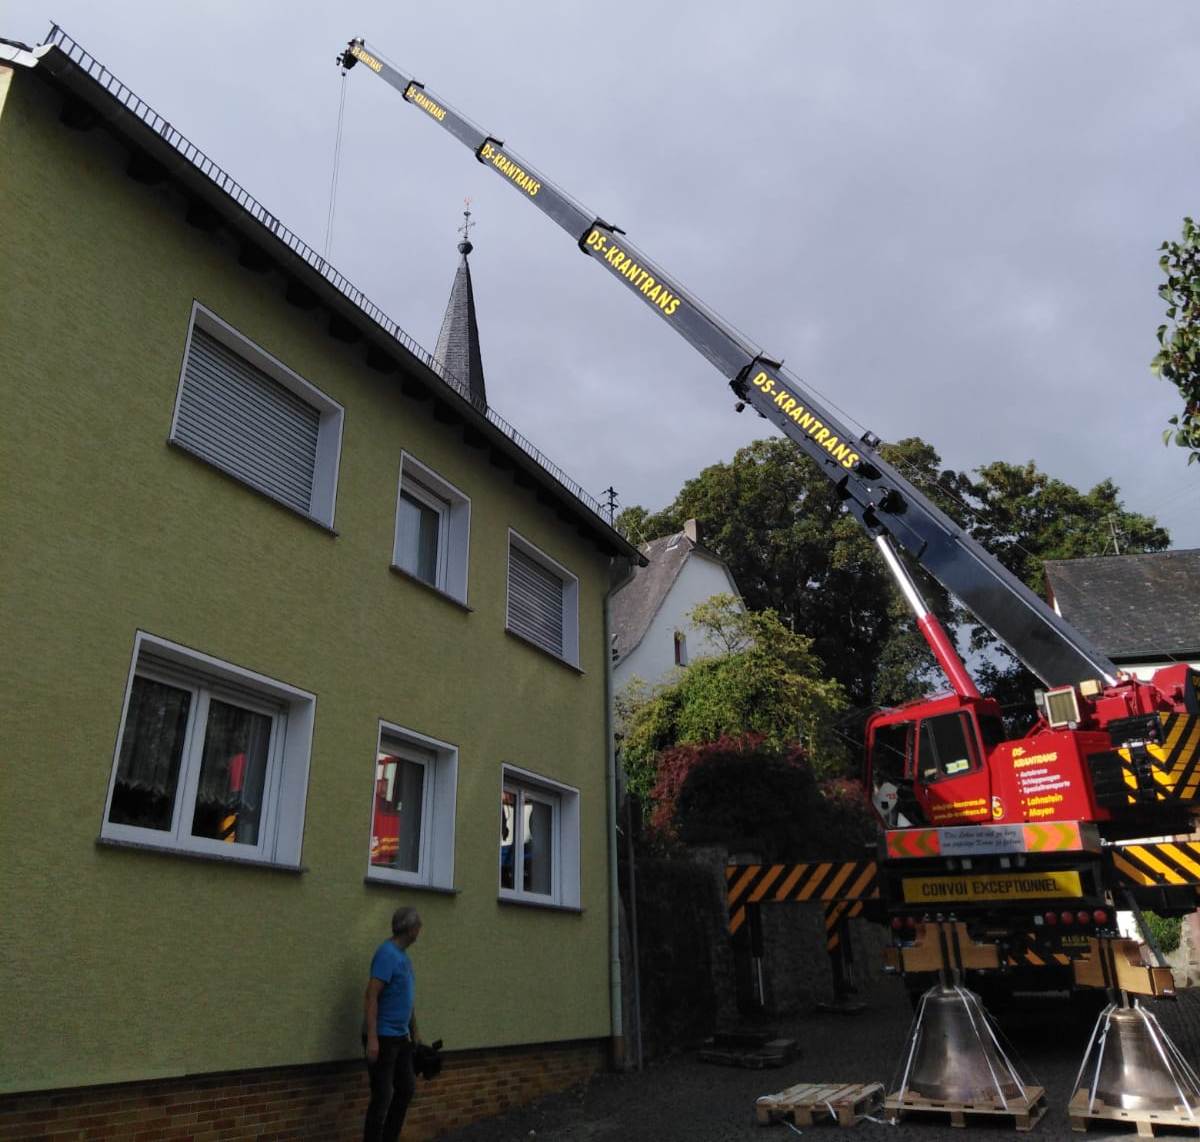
(465, 246)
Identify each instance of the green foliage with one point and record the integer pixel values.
(768, 682)
(779, 524)
(1024, 516)
(1178, 356)
(1166, 930)
(791, 547)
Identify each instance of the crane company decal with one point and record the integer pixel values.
(415, 95)
(1040, 784)
(360, 53)
(794, 410)
(977, 808)
(510, 170)
(1058, 885)
(624, 266)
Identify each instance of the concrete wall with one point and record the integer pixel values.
(121, 964)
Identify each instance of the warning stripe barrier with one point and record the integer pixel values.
(822, 881)
(1159, 865)
(1175, 763)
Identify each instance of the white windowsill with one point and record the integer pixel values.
(192, 854)
(543, 905)
(397, 570)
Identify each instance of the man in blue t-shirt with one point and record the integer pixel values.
(390, 1030)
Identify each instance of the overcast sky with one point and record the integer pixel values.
(945, 216)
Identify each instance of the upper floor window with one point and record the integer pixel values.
(543, 600)
(433, 522)
(211, 758)
(539, 840)
(247, 413)
(412, 816)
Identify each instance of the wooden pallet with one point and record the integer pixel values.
(804, 1103)
(1144, 1120)
(1025, 1113)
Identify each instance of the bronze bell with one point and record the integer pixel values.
(1132, 1064)
(953, 1054)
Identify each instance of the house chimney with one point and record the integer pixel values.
(692, 530)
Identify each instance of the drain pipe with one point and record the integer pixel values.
(616, 1015)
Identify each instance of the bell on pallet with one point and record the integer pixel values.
(1131, 1064)
(953, 1054)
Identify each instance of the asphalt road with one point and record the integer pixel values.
(683, 1099)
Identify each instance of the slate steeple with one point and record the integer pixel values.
(457, 348)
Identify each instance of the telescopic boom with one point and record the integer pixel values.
(882, 500)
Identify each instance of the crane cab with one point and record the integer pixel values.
(928, 762)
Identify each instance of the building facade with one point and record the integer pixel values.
(297, 631)
(652, 634)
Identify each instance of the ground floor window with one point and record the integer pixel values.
(412, 815)
(211, 758)
(539, 839)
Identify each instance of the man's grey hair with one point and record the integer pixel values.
(405, 921)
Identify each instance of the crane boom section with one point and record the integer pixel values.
(878, 496)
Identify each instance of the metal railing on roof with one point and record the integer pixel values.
(230, 186)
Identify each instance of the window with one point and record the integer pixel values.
(539, 840)
(946, 747)
(412, 814)
(543, 600)
(251, 416)
(211, 758)
(433, 523)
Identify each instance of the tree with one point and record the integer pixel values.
(767, 683)
(780, 526)
(1024, 517)
(1178, 357)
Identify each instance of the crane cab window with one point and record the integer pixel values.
(946, 748)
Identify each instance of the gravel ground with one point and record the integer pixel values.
(683, 1099)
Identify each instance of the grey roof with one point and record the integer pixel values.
(158, 150)
(457, 349)
(1132, 606)
(636, 604)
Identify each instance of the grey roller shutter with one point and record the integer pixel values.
(535, 602)
(238, 418)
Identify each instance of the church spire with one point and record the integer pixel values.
(457, 350)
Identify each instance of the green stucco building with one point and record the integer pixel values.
(296, 630)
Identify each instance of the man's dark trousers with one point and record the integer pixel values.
(392, 1086)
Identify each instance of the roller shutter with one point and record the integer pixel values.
(242, 420)
(535, 602)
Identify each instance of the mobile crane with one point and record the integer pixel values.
(991, 847)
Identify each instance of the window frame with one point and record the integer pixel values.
(565, 839)
(285, 782)
(323, 498)
(453, 506)
(435, 864)
(570, 599)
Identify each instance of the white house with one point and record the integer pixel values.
(651, 632)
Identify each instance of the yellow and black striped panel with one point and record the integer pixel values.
(826, 881)
(1162, 864)
(1175, 763)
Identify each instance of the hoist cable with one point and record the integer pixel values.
(337, 162)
